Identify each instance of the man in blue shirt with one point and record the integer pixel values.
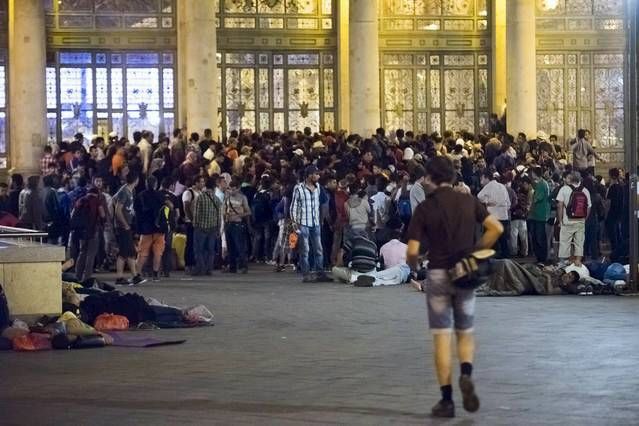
(305, 215)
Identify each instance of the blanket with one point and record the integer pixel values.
(513, 279)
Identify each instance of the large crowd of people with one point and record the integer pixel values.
(313, 200)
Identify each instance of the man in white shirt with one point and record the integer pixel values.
(494, 196)
(381, 205)
(417, 191)
(146, 150)
(573, 207)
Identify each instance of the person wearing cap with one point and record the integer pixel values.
(495, 197)
(305, 216)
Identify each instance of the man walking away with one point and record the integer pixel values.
(206, 227)
(446, 222)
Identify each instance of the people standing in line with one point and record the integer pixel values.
(124, 215)
(32, 205)
(171, 202)
(446, 222)
(305, 216)
(236, 213)
(207, 213)
(596, 215)
(539, 215)
(615, 198)
(16, 187)
(494, 196)
(94, 214)
(573, 208)
(262, 220)
(190, 194)
(151, 224)
(519, 215)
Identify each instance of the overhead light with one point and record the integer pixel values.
(551, 4)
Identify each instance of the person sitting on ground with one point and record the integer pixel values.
(362, 259)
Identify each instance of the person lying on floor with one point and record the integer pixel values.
(572, 282)
(362, 258)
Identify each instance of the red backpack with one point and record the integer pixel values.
(578, 204)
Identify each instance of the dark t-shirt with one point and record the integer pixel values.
(445, 223)
(147, 206)
(615, 196)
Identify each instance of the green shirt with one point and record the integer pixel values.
(540, 208)
(207, 211)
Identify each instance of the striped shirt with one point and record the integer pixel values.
(305, 206)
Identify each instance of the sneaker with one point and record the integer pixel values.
(364, 281)
(280, 268)
(471, 401)
(137, 280)
(121, 281)
(244, 271)
(443, 409)
(156, 277)
(308, 279)
(323, 278)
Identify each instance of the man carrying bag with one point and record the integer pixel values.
(445, 224)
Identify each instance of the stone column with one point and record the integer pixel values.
(499, 56)
(521, 67)
(197, 61)
(365, 113)
(27, 85)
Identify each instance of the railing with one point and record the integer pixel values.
(23, 234)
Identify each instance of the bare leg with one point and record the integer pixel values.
(442, 342)
(466, 347)
(131, 262)
(119, 267)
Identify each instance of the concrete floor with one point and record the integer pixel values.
(283, 352)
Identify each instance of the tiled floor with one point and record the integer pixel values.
(284, 353)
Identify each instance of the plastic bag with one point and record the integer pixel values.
(615, 272)
(5, 319)
(107, 322)
(32, 342)
(17, 329)
(198, 314)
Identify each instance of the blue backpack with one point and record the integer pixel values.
(404, 209)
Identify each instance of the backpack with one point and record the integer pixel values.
(578, 204)
(404, 209)
(262, 207)
(162, 218)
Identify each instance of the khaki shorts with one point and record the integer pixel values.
(572, 235)
(152, 242)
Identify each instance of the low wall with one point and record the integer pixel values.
(31, 276)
